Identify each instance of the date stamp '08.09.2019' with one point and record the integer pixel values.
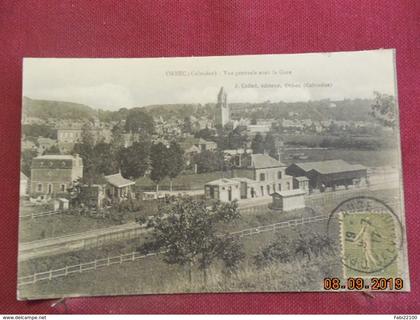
(370, 240)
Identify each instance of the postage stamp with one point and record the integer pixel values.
(371, 236)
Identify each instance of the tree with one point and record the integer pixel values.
(87, 134)
(257, 144)
(104, 159)
(138, 121)
(186, 231)
(175, 161)
(384, 110)
(187, 125)
(39, 130)
(209, 161)
(117, 139)
(279, 250)
(135, 160)
(86, 153)
(206, 134)
(26, 160)
(158, 154)
(270, 145)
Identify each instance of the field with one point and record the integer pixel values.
(182, 182)
(152, 275)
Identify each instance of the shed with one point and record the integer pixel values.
(301, 183)
(119, 188)
(288, 200)
(61, 204)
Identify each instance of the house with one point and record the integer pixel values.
(52, 175)
(258, 175)
(330, 174)
(206, 145)
(118, 188)
(288, 200)
(45, 144)
(67, 137)
(268, 174)
(130, 138)
(24, 185)
(253, 129)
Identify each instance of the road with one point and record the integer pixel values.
(79, 241)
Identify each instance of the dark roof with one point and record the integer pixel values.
(222, 181)
(329, 166)
(289, 193)
(202, 141)
(118, 180)
(259, 161)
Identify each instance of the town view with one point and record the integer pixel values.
(214, 197)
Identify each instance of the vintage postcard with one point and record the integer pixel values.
(211, 174)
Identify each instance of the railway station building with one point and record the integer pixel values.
(329, 174)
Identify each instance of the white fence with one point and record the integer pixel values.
(133, 256)
(82, 267)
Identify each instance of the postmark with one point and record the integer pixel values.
(370, 234)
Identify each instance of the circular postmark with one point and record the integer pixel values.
(369, 232)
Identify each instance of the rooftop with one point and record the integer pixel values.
(56, 157)
(118, 180)
(202, 141)
(330, 166)
(222, 181)
(260, 161)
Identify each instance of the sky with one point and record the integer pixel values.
(127, 82)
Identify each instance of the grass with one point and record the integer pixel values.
(369, 158)
(58, 225)
(182, 182)
(153, 275)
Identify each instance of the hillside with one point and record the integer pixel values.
(355, 109)
(45, 109)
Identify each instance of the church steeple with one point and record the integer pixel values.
(222, 97)
(222, 109)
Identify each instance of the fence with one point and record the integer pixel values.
(279, 225)
(82, 267)
(34, 215)
(133, 256)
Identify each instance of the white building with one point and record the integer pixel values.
(258, 176)
(288, 200)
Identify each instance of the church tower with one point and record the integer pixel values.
(222, 109)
